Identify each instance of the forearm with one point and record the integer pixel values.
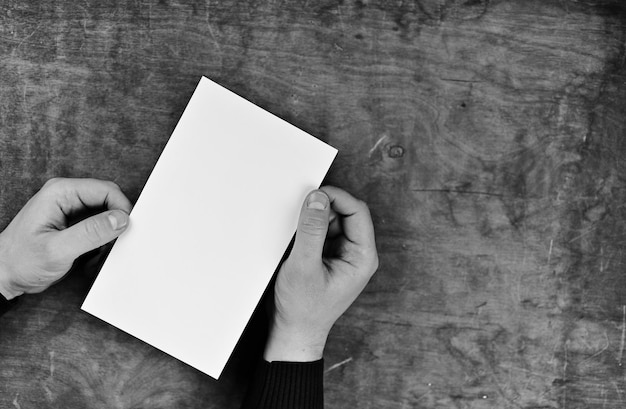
(288, 344)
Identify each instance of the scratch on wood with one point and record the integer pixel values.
(343, 27)
(583, 234)
(422, 396)
(564, 397)
(619, 391)
(460, 80)
(398, 324)
(621, 346)
(27, 37)
(85, 20)
(477, 313)
(604, 348)
(208, 24)
(602, 259)
(48, 392)
(550, 253)
(15, 402)
(377, 144)
(562, 111)
(463, 192)
(337, 365)
(150, 16)
(51, 364)
(527, 371)
(404, 284)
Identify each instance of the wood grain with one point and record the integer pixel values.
(487, 137)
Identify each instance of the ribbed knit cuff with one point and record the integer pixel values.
(287, 385)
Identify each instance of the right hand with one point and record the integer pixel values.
(333, 258)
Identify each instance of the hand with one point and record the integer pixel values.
(333, 257)
(39, 247)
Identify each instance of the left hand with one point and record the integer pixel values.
(39, 246)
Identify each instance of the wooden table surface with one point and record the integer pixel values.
(487, 137)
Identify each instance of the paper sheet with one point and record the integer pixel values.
(209, 228)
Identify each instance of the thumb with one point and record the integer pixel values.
(312, 227)
(91, 233)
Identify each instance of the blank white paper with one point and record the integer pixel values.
(209, 228)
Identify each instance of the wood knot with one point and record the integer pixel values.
(396, 151)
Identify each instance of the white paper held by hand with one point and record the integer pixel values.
(209, 228)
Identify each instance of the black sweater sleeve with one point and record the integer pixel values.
(286, 385)
(6, 305)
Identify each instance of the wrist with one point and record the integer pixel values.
(292, 345)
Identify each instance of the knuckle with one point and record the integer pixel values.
(52, 182)
(314, 225)
(112, 185)
(95, 232)
(364, 206)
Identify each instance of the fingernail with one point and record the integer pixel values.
(317, 200)
(118, 220)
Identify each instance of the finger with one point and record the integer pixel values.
(312, 228)
(334, 225)
(75, 194)
(356, 219)
(90, 234)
